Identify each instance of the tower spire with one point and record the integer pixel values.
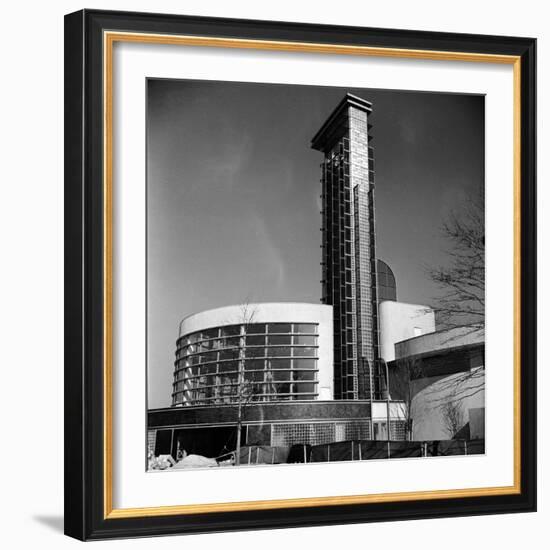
(349, 254)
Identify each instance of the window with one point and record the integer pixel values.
(257, 376)
(305, 340)
(282, 375)
(231, 342)
(282, 388)
(225, 390)
(210, 333)
(209, 369)
(304, 376)
(233, 330)
(280, 340)
(278, 327)
(207, 345)
(305, 388)
(280, 352)
(278, 364)
(229, 354)
(254, 364)
(228, 366)
(255, 340)
(255, 328)
(306, 328)
(254, 352)
(305, 363)
(304, 352)
(230, 378)
(209, 357)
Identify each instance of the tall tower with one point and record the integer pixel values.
(348, 243)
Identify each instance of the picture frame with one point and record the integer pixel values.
(90, 162)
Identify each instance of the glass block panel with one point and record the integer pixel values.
(305, 433)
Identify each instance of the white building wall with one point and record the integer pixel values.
(276, 312)
(465, 390)
(440, 340)
(400, 321)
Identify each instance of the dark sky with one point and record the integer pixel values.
(233, 195)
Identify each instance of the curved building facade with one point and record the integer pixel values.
(448, 381)
(258, 352)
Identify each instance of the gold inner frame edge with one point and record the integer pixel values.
(109, 39)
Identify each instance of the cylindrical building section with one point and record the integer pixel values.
(254, 352)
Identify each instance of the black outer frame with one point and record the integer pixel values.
(84, 516)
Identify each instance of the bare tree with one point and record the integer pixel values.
(461, 385)
(461, 304)
(453, 416)
(246, 391)
(462, 279)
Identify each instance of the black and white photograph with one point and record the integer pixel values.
(315, 274)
